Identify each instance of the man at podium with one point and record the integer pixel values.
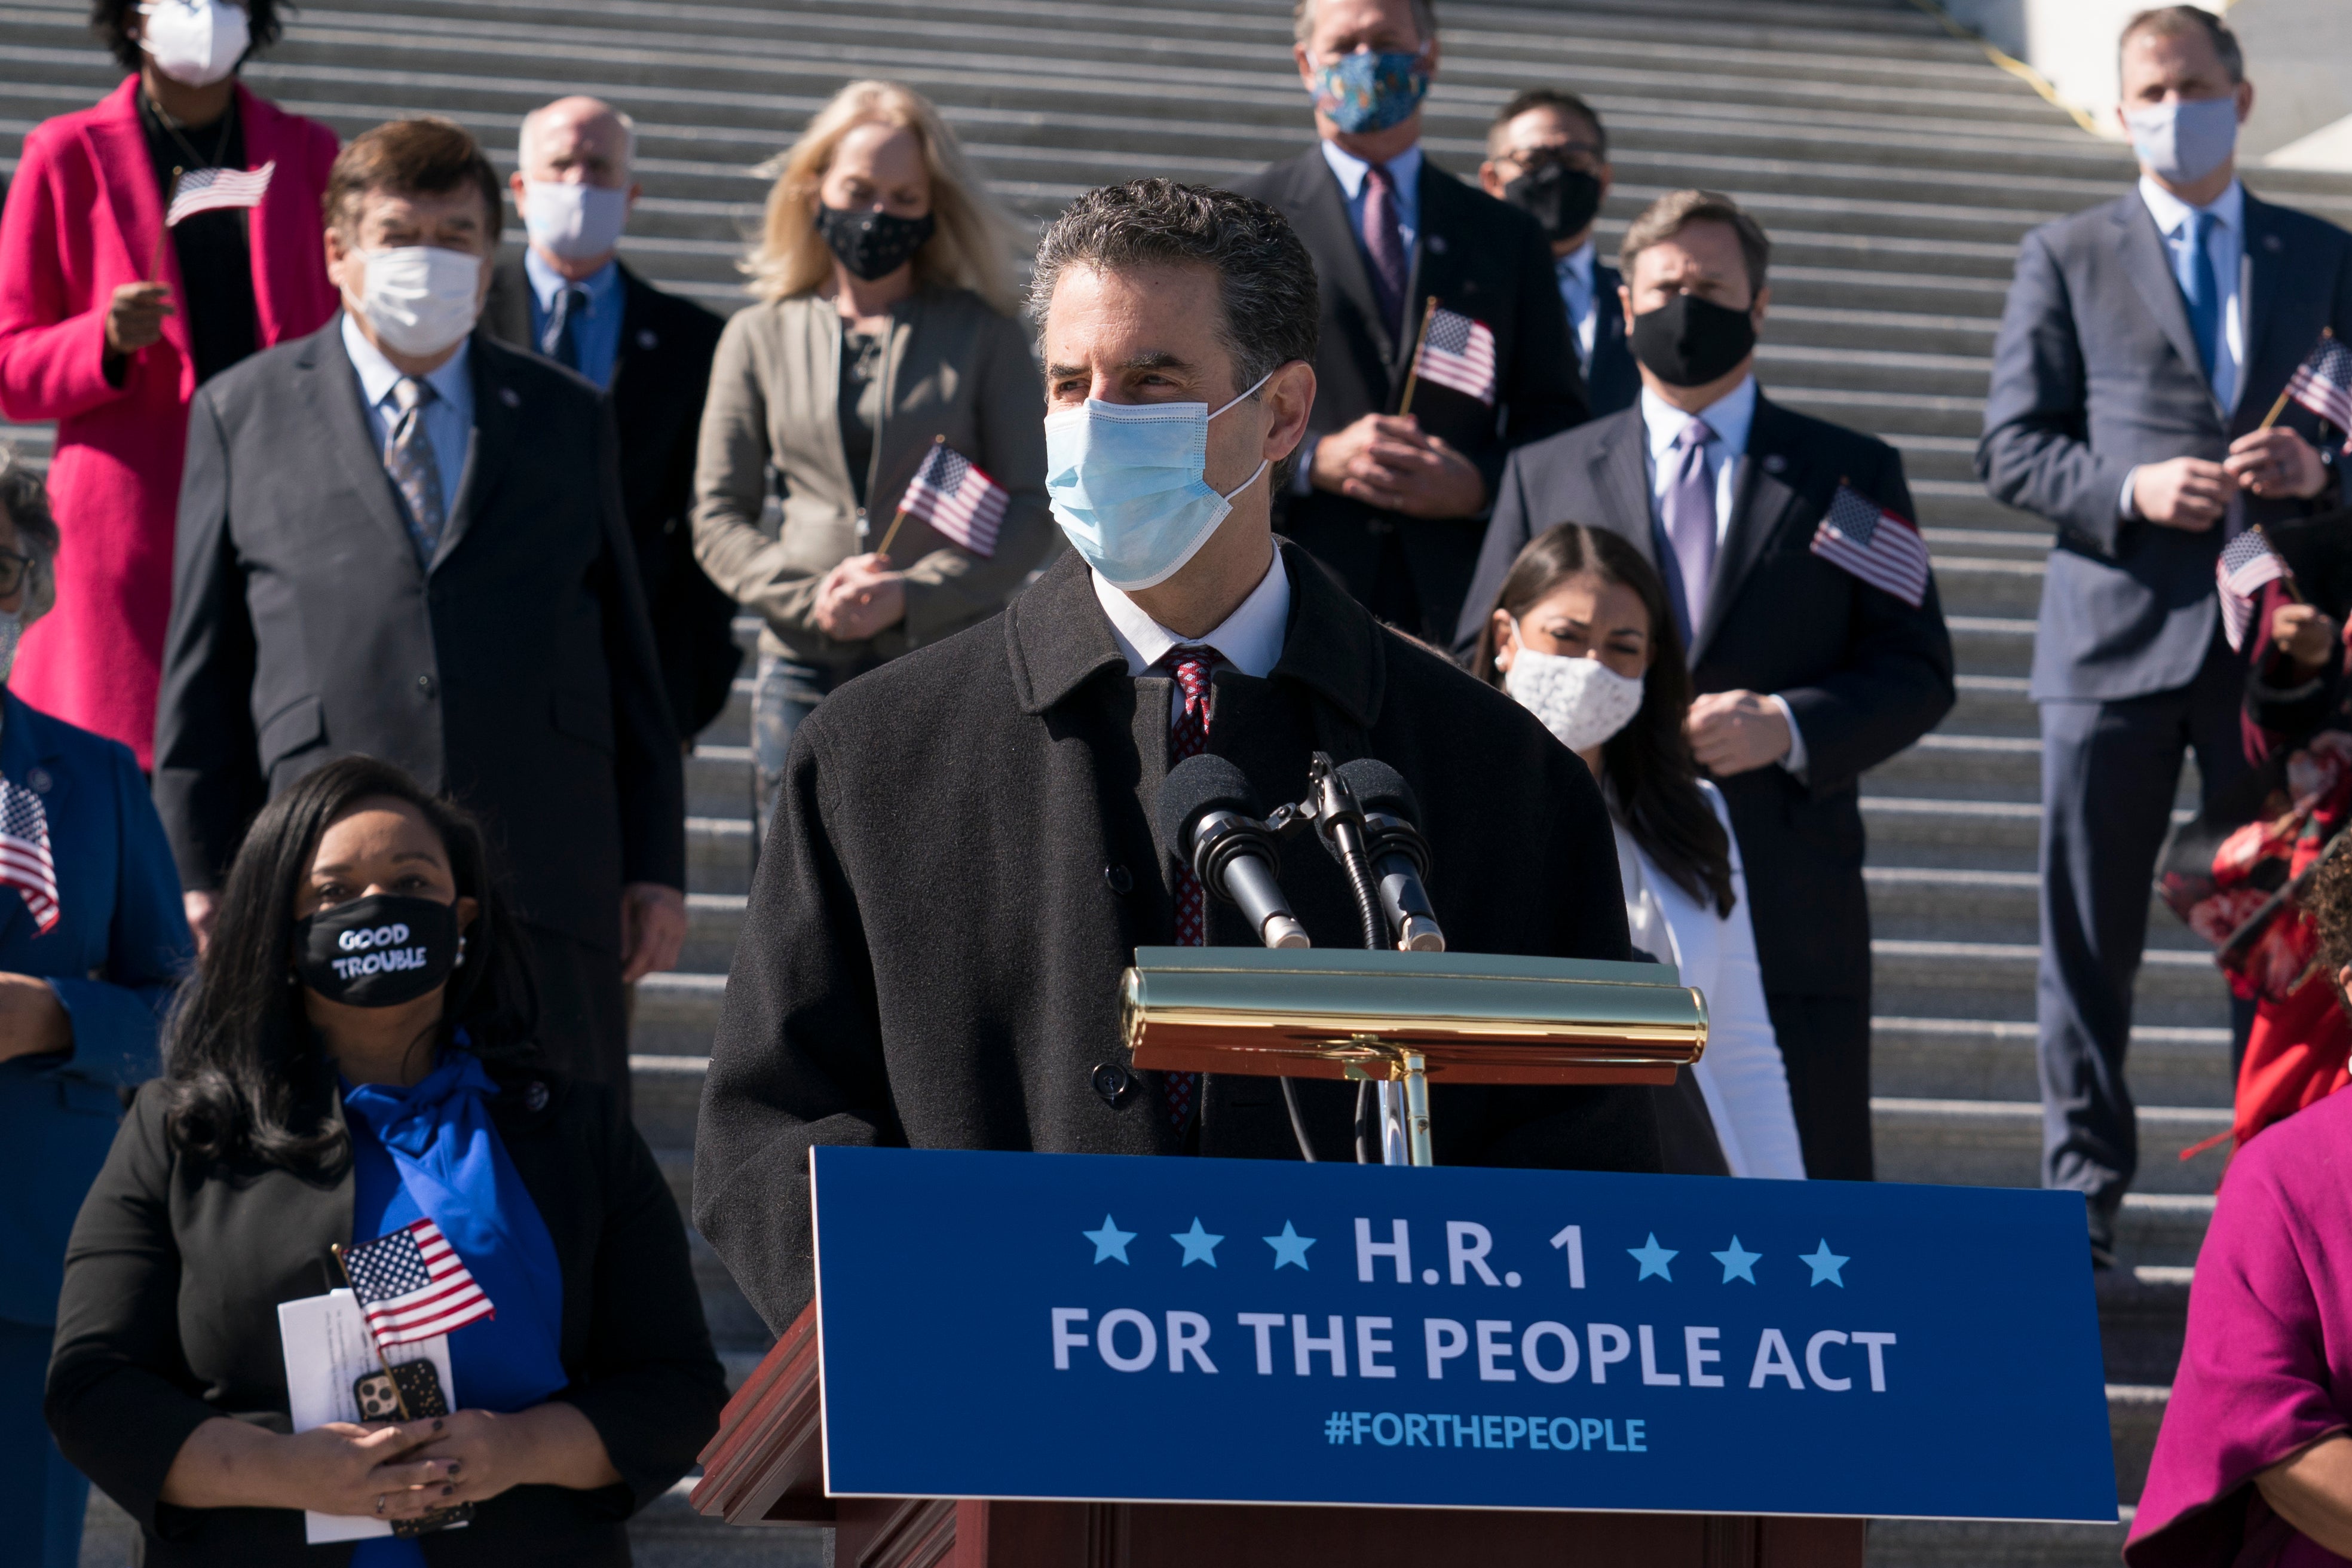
(966, 851)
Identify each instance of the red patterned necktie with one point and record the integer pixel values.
(1188, 737)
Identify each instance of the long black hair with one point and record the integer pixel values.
(1648, 762)
(247, 1076)
(111, 20)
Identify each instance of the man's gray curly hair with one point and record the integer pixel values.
(27, 500)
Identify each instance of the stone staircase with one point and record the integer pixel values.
(1896, 170)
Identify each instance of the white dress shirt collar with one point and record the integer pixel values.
(1730, 416)
(1250, 639)
(1404, 169)
(379, 375)
(546, 282)
(2171, 212)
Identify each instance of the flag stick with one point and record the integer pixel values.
(1412, 372)
(891, 533)
(2279, 407)
(155, 262)
(398, 1398)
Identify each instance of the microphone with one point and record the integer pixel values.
(1209, 815)
(1400, 854)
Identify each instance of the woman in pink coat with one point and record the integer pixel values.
(108, 331)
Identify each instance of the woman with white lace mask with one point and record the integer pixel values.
(1581, 637)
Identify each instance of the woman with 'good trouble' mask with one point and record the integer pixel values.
(1581, 636)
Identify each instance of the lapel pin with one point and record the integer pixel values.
(511, 397)
(38, 778)
(646, 338)
(1774, 463)
(1437, 245)
(2270, 242)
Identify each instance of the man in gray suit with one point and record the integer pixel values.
(2144, 343)
(399, 538)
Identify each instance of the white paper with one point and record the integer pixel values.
(326, 1351)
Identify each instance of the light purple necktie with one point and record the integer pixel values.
(1690, 519)
(1384, 242)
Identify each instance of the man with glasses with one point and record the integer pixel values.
(1394, 500)
(1547, 154)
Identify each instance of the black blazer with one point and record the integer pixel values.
(169, 1319)
(1482, 258)
(1864, 674)
(517, 674)
(660, 375)
(937, 927)
(1613, 382)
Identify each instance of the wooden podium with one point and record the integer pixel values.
(766, 1466)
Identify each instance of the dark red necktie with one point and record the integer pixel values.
(1384, 244)
(1188, 737)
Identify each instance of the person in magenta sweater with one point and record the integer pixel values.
(108, 331)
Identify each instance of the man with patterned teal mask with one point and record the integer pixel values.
(1390, 495)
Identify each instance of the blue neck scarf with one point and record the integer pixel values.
(455, 1168)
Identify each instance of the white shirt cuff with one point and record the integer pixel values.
(1795, 760)
(2124, 507)
(1302, 472)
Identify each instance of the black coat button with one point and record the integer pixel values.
(1115, 1084)
(1116, 878)
(427, 685)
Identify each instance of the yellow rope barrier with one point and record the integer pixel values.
(2009, 63)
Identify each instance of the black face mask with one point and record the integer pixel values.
(1562, 199)
(872, 244)
(1689, 341)
(377, 952)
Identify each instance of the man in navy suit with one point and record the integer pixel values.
(1547, 154)
(1809, 675)
(2144, 343)
(85, 973)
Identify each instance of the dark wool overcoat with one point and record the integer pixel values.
(966, 855)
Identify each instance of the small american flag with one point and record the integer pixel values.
(24, 863)
(1459, 353)
(2247, 562)
(2323, 381)
(952, 494)
(207, 190)
(1858, 535)
(412, 1286)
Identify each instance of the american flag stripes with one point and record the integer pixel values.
(24, 862)
(954, 496)
(413, 1286)
(208, 190)
(1459, 353)
(1858, 535)
(2247, 562)
(2323, 381)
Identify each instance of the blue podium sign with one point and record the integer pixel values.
(1213, 1331)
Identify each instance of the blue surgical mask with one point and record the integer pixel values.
(1126, 486)
(2186, 140)
(1366, 91)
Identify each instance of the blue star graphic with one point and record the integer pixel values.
(1199, 1246)
(1289, 1247)
(1653, 1259)
(1825, 1265)
(1736, 1264)
(1110, 1241)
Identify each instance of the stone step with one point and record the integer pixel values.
(1970, 585)
(1945, 979)
(1933, 902)
(1969, 1544)
(1997, 1143)
(1987, 1059)
(1958, 763)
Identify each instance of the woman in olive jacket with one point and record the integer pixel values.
(312, 1101)
(887, 327)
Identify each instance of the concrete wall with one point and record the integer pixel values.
(2298, 55)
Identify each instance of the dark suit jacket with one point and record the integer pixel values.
(1864, 674)
(937, 927)
(1613, 382)
(2095, 371)
(660, 375)
(1482, 258)
(113, 958)
(517, 674)
(170, 1319)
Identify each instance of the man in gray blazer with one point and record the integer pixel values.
(2144, 343)
(397, 537)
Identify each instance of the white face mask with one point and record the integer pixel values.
(419, 299)
(1581, 701)
(576, 222)
(193, 41)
